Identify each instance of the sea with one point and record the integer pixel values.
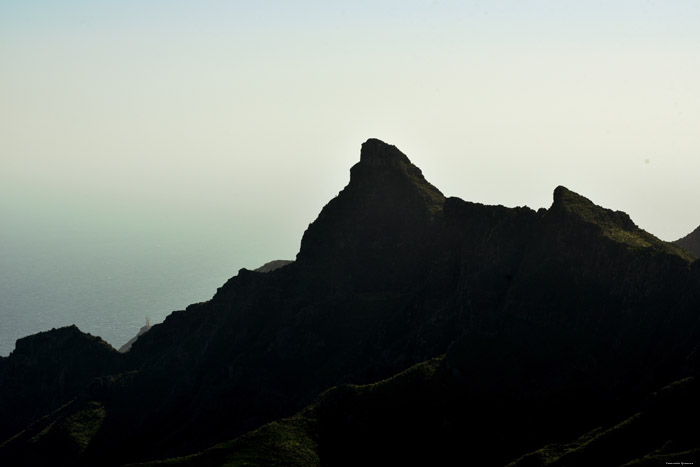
(108, 284)
(107, 290)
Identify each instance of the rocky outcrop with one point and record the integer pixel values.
(691, 242)
(47, 370)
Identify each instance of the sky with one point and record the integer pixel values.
(222, 128)
(256, 110)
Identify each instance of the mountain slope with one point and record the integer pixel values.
(691, 242)
(424, 416)
(663, 432)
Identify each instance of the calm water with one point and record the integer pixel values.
(105, 288)
(107, 265)
(107, 281)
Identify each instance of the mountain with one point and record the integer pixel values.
(443, 328)
(47, 370)
(691, 242)
(144, 329)
(272, 265)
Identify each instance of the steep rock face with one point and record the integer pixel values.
(691, 242)
(47, 370)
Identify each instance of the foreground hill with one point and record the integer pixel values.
(551, 323)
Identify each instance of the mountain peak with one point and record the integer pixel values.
(378, 153)
(386, 171)
(563, 195)
(567, 201)
(388, 203)
(615, 225)
(691, 242)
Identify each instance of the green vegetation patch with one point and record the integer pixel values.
(287, 442)
(434, 198)
(81, 426)
(294, 441)
(419, 373)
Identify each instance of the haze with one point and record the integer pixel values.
(213, 132)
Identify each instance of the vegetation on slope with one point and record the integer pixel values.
(664, 432)
(60, 438)
(313, 436)
(46, 371)
(427, 416)
(285, 443)
(615, 225)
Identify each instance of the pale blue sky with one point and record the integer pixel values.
(150, 149)
(115, 115)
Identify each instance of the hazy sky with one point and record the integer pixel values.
(234, 122)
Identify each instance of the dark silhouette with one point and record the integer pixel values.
(691, 242)
(566, 336)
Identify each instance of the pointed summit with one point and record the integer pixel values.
(377, 152)
(572, 208)
(567, 201)
(690, 242)
(386, 209)
(384, 170)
